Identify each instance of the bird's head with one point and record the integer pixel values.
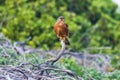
(61, 18)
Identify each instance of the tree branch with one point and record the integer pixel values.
(59, 54)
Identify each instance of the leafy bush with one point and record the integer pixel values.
(91, 23)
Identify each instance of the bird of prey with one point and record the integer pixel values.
(61, 30)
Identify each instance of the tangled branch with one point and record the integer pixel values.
(47, 70)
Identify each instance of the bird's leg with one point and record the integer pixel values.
(57, 36)
(60, 38)
(64, 39)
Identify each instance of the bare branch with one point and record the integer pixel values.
(59, 54)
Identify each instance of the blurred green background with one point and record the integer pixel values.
(92, 23)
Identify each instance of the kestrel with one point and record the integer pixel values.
(61, 30)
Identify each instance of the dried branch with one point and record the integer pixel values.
(25, 73)
(60, 53)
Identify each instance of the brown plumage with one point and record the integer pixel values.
(61, 30)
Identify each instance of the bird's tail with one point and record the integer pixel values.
(66, 41)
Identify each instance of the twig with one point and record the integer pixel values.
(17, 70)
(61, 70)
(8, 77)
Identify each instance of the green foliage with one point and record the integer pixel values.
(89, 73)
(92, 23)
(86, 73)
(8, 56)
(33, 58)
